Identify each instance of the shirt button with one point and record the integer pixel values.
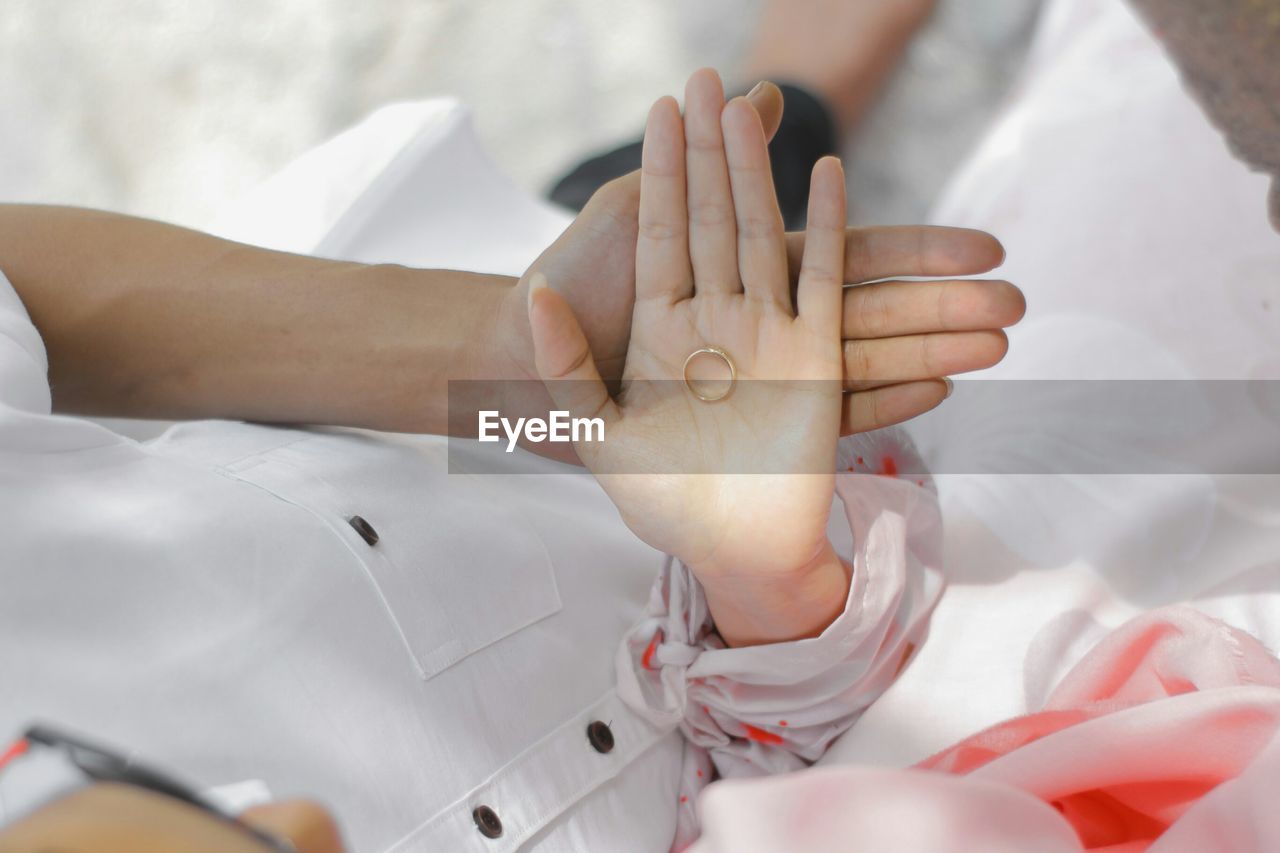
(364, 528)
(600, 736)
(487, 821)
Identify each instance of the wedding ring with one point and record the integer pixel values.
(714, 352)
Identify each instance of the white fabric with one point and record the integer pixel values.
(1144, 252)
(408, 185)
(202, 600)
(1143, 248)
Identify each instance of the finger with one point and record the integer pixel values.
(762, 259)
(713, 237)
(898, 250)
(888, 361)
(891, 308)
(617, 203)
(564, 363)
(863, 411)
(662, 247)
(306, 825)
(821, 274)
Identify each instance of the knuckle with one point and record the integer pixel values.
(710, 214)
(579, 361)
(760, 227)
(857, 360)
(821, 273)
(874, 314)
(703, 140)
(824, 263)
(662, 168)
(857, 256)
(660, 230)
(929, 354)
(944, 307)
(870, 417)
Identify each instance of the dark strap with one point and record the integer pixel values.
(806, 134)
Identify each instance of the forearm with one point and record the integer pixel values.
(142, 319)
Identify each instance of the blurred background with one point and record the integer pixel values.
(173, 110)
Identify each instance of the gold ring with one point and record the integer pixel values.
(723, 356)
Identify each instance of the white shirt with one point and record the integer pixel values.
(209, 600)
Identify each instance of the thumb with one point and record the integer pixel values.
(563, 360)
(766, 98)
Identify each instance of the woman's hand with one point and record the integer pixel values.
(899, 336)
(711, 271)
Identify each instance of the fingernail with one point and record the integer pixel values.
(757, 89)
(537, 282)
(951, 386)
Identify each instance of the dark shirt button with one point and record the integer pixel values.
(601, 736)
(364, 528)
(487, 821)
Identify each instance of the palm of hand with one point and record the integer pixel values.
(711, 271)
(719, 472)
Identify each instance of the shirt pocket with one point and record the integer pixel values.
(455, 568)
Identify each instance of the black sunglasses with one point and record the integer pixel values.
(104, 765)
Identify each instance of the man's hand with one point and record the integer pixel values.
(900, 337)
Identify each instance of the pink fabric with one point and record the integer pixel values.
(1163, 738)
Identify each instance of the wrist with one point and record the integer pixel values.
(501, 360)
(787, 605)
(485, 365)
(417, 331)
(505, 377)
(504, 352)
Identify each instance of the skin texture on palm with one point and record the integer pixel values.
(712, 271)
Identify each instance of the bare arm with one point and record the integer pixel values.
(148, 320)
